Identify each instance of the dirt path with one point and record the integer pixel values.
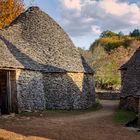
(88, 126)
(108, 108)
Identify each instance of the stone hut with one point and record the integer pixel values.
(130, 92)
(40, 68)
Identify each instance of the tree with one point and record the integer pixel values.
(135, 33)
(9, 10)
(108, 33)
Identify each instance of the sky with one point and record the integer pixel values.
(85, 20)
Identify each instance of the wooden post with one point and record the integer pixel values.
(139, 114)
(9, 91)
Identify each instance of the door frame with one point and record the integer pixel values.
(8, 90)
(11, 90)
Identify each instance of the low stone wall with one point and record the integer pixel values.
(108, 95)
(69, 90)
(30, 90)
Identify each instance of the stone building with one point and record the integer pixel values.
(139, 116)
(130, 74)
(41, 68)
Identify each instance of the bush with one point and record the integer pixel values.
(109, 46)
(135, 33)
(127, 42)
(113, 44)
(138, 37)
(110, 83)
(108, 33)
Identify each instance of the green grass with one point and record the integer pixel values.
(102, 90)
(105, 90)
(122, 116)
(52, 113)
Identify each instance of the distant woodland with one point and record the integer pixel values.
(107, 54)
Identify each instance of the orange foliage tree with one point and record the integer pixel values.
(9, 10)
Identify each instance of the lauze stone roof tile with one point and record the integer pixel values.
(35, 41)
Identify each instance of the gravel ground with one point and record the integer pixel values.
(87, 126)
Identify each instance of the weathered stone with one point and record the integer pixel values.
(37, 90)
(30, 90)
(108, 95)
(69, 90)
(130, 103)
(130, 75)
(35, 41)
(50, 72)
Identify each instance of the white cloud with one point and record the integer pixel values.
(116, 8)
(72, 4)
(96, 29)
(89, 18)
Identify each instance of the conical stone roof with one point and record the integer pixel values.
(134, 61)
(35, 41)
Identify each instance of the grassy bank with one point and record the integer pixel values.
(122, 116)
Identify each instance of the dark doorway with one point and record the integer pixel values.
(4, 105)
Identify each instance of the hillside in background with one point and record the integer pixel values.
(107, 54)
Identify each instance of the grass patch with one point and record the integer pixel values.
(104, 91)
(54, 113)
(122, 116)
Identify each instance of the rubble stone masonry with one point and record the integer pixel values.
(37, 91)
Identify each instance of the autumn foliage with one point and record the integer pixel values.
(9, 10)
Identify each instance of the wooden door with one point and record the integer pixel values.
(3, 93)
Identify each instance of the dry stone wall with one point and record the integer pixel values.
(108, 95)
(36, 90)
(130, 103)
(69, 90)
(30, 90)
(130, 88)
(129, 82)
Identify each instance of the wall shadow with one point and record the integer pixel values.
(27, 61)
(88, 83)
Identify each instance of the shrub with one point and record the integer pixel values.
(109, 46)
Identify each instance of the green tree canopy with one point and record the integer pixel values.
(108, 33)
(135, 33)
